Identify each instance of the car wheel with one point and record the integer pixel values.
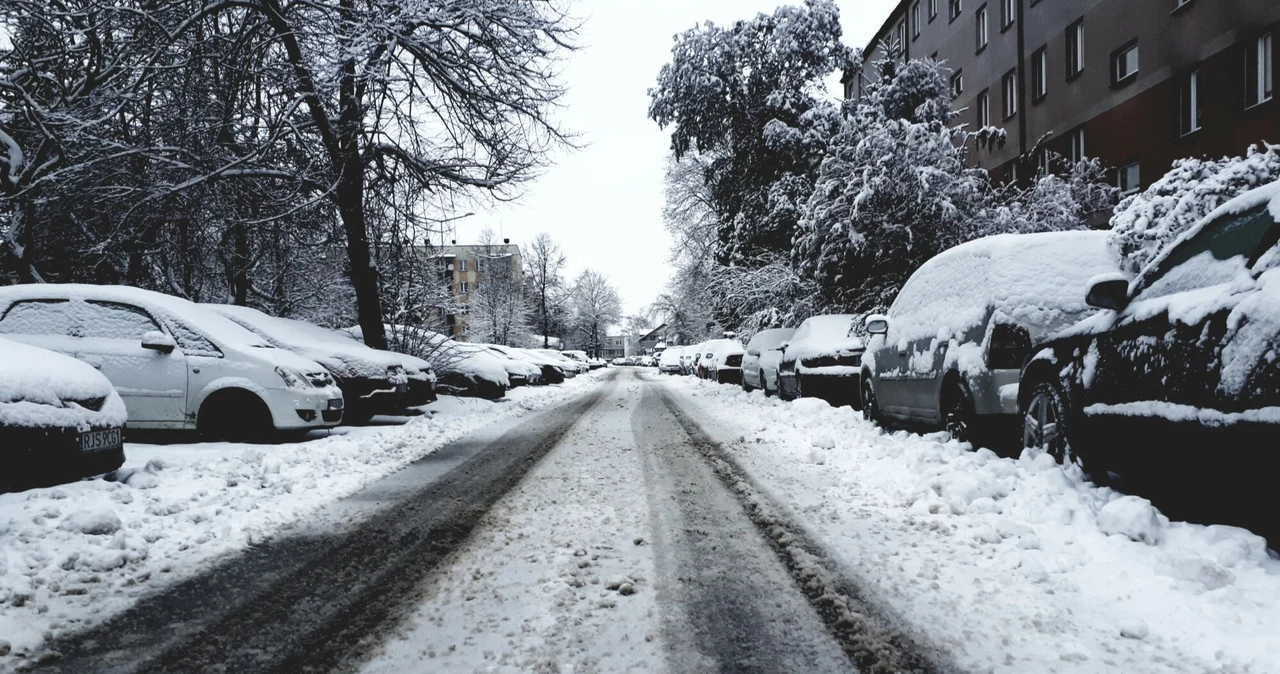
(870, 406)
(1045, 423)
(234, 415)
(959, 419)
(764, 385)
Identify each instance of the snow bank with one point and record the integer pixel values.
(74, 555)
(1015, 565)
(1038, 281)
(43, 389)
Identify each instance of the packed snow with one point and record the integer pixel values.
(75, 554)
(1014, 565)
(43, 389)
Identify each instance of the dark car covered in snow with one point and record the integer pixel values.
(60, 419)
(821, 360)
(1183, 361)
(951, 349)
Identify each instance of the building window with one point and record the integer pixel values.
(1008, 11)
(957, 84)
(902, 39)
(984, 109)
(953, 9)
(462, 265)
(980, 19)
(1259, 84)
(1040, 74)
(915, 19)
(1075, 49)
(1010, 87)
(1076, 142)
(464, 287)
(1124, 63)
(1189, 112)
(933, 9)
(1127, 178)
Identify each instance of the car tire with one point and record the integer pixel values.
(764, 385)
(1046, 422)
(959, 418)
(746, 388)
(870, 406)
(234, 415)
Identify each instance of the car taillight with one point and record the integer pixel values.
(1010, 346)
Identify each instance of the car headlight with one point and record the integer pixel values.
(293, 378)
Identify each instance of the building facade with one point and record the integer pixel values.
(1135, 83)
(464, 268)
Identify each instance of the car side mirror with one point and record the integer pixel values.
(877, 324)
(158, 341)
(753, 352)
(1108, 292)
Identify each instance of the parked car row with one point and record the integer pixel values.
(1041, 339)
(81, 364)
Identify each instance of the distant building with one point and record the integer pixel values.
(464, 268)
(1071, 72)
(648, 342)
(615, 345)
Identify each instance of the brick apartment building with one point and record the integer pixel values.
(464, 267)
(1135, 83)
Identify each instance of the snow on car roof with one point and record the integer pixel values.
(338, 351)
(770, 339)
(1038, 281)
(35, 382)
(223, 331)
(823, 335)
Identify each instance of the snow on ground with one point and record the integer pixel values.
(558, 576)
(1015, 565)
(78, 553)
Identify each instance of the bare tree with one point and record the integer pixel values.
(544, 263)
(313, 105)
(499, 310)
(596, 306)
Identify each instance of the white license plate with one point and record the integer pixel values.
(335, 404)
(99, 441)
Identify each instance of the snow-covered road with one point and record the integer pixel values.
(656, 523)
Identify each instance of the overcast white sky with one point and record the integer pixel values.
(603, 203)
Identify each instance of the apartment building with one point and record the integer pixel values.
(464, 268)
(1136, 83)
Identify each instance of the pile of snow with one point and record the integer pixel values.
(40, 389)
(1014, 565)
(1038, 281)
(73, 555)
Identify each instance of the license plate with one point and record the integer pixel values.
(99, 441)
(402, 388)
(335, 404)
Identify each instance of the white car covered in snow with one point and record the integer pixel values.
(722, 361)
(669, 361)
(951, 350)
(461, 369)
(175, 364)
(372, 381)
(764, 354)
(59, 418)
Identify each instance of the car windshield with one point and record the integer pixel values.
(1223, 252)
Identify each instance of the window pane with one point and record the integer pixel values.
(39, 317)
(108, 320)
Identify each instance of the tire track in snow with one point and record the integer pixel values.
(726, 602)
(317, 603)
(865, 632)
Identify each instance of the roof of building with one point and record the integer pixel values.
(885, 27)
(654, 333)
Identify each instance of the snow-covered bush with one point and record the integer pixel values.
(1148, 221)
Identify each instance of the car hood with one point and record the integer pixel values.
(40, 388)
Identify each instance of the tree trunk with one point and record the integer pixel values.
(350, 195)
